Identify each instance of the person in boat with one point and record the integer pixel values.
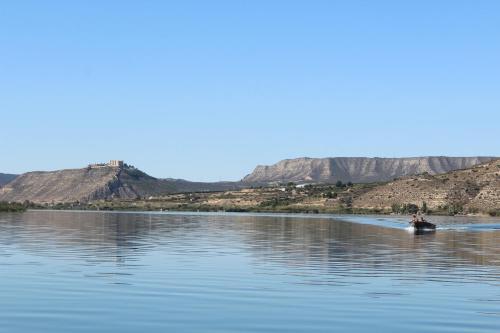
(419, 222)
(417, 219)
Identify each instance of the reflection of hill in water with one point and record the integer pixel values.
(92, 235)
(317, 243)
(320, 240)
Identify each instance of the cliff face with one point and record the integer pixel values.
(96, 183)
(476, 188)
(6, 178)
(357, 169)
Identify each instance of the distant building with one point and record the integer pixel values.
(112, 163)
(97, 165)
(116, 163)
(303, 185)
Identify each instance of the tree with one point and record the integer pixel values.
(338, 183)
(424, 207)
(331, 195)
(396, 208)
(455, 209)
(412, 208)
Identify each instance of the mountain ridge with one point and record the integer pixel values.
(474, 190)
(357, 169)
(121, 181)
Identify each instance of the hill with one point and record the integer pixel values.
(473, 190)
(95, 183)
(6, 178)
(476, 189)
(357, 169)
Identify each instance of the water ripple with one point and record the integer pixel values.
(90, 271)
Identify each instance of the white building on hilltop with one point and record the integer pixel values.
(111, 163)
(116, 163)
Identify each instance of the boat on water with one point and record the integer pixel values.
(419, 224)
(423, 225)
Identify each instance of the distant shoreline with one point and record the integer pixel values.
(115, 186)
(261, 212)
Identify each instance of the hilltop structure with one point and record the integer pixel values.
(99, 181)
(112, 163)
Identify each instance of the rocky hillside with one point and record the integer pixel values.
(5, 178)
(97, 183)
(476, 189)
(473, 190)
(357, 169)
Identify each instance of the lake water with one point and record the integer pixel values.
(165, 272)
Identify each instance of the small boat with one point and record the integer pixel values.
(423, 225)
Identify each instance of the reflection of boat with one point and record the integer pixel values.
(423, 225)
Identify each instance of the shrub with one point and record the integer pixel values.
(424, 207)
(396, 208)
(331, 195)
(12, 207)
(412, 208)
(404, 208)
(473, 210)
(455, 209)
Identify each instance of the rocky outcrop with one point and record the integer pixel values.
(97, 183)
(357, 169)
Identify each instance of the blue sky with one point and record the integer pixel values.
(206, 90)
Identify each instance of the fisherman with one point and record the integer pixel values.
(414, 219)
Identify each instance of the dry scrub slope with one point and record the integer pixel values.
(474, 189)
(357, 169)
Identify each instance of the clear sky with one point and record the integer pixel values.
(206, 90)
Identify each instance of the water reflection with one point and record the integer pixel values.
(93, 271)
(347, 249)
(319, 243)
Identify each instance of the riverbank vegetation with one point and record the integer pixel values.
(12, 207)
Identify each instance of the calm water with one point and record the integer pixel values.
(142, 272)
